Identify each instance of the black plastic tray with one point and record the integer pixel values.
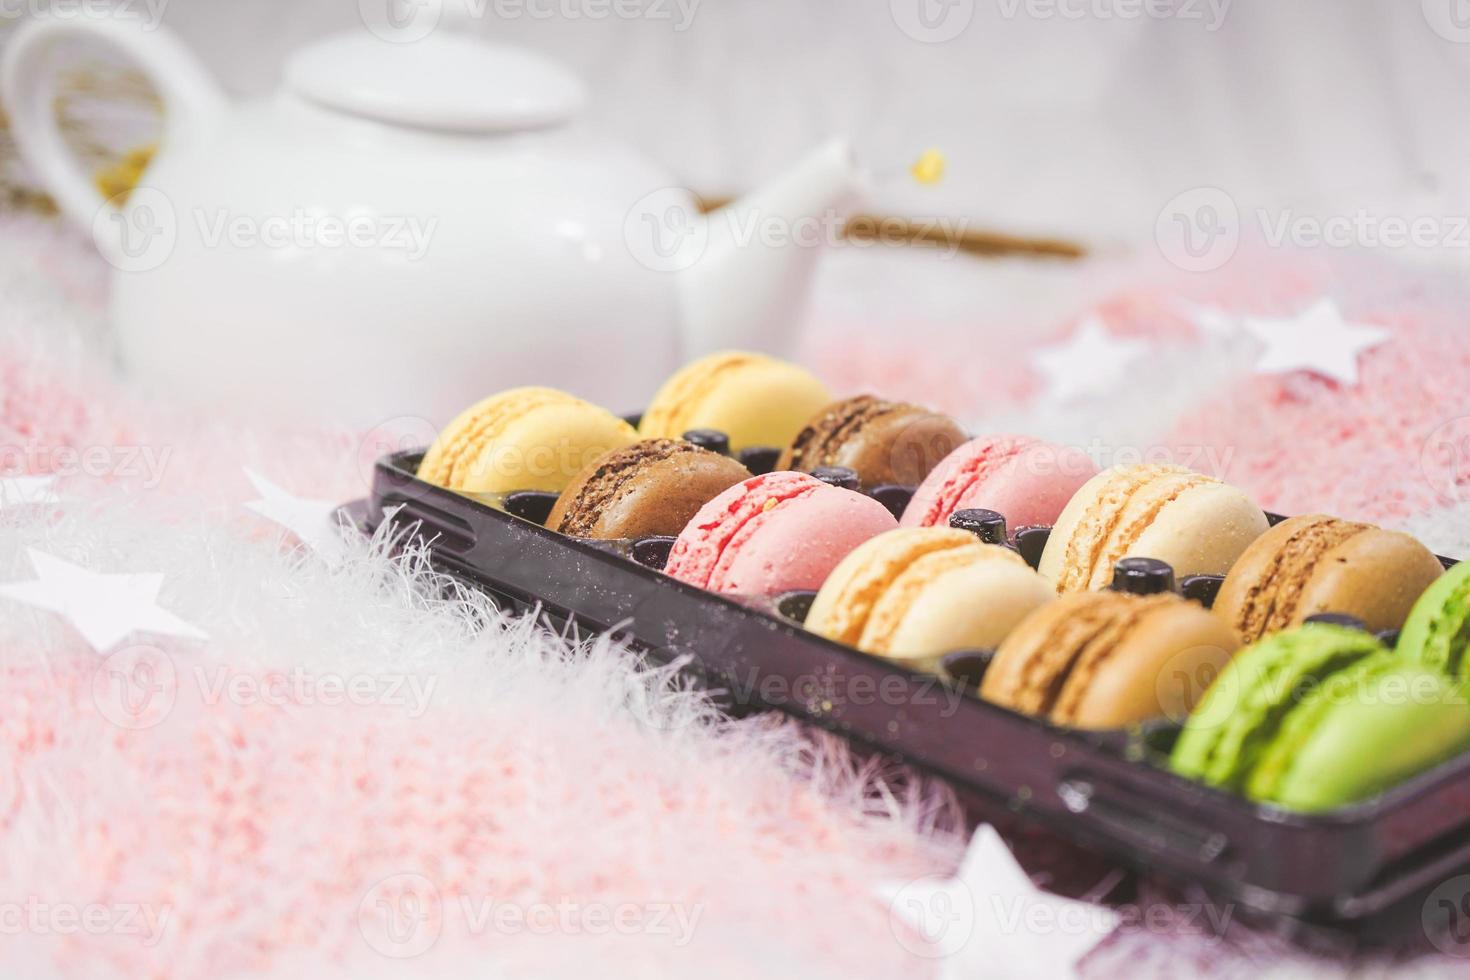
(1364, 869)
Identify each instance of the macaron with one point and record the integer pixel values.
(1108, 659)
(1318, 564)
(1196, 523)
(914, 594)
(1321, 716)
(1026, 480)
(754, 399)
(885, 443)
(522, 439)
(1438, 628)
(774, 533)
(653, 487)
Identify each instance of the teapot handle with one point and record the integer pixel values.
(191, 99)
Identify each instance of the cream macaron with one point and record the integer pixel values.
(1196, 523)
(915, 594)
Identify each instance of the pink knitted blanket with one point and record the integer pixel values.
(364, 771)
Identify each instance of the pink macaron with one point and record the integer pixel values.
(774, 533)
(1026, 480)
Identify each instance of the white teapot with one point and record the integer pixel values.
(405, 227)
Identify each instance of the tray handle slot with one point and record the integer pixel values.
(1148, 826)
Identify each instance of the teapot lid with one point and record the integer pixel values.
(446, 80)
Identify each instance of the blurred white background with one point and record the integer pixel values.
(1078, 117)
(1083, 119)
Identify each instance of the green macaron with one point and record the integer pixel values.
(1437, 631)
(1319, 717)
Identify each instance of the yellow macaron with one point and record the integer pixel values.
(915, 594)
(522, 439)
(754, 399)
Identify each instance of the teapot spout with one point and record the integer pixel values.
(750, 286)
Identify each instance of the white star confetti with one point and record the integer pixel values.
(991, 921)
(313, 521)
(16, 491)
(1318, 340)
(1092, 362)
(105, 609)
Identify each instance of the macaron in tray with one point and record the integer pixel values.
(1319, 717)
(1109, 659)
(774, 533)
(652, 487)
(1437, 632)
(754, 399)
(885, 443)
(1196, 523)
(1309, 716)
(1025, 480)
(914, 594)
(1318, 564)
(522, 439)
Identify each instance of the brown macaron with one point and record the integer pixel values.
(649, 488)
(1318, 564)
(886, 443)
(1109, 659)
